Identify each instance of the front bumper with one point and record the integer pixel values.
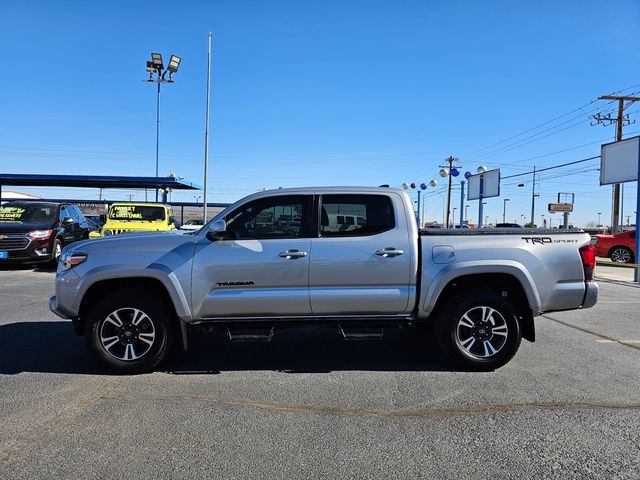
(55, 308)
(33, 252)
(591, 295)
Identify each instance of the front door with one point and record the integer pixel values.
(363, 260)
(261, 267)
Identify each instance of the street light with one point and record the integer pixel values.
(453, 220)
(466, 215)
(157, 66)
(504, 209)
(599, 213)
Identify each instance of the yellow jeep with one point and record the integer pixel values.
(136, 217)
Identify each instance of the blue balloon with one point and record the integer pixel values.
(423, 186)
(467, 175)
(455, 172)
(413, 185)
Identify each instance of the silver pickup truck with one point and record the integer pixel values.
(348, 257)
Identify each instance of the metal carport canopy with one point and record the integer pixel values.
(94, 181)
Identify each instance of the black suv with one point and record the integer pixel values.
(35, 232)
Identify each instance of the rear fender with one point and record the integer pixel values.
(429, 298)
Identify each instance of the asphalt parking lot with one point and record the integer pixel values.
(308, 405)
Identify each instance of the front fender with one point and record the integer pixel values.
(158, 272)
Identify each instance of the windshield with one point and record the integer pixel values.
(27, 213)
(136, 213)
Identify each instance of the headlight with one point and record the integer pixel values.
(39, 234)
(70, 260)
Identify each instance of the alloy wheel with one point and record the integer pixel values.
(481, 332)
(127, 334)
(621, 255)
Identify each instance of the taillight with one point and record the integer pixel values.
(588, 255)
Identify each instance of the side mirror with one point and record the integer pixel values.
(67, 220)
(217, 230)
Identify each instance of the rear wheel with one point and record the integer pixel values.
(621, 255)
(478, 330)
(129, 333)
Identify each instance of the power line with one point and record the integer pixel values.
(546, 123)
(551, 168)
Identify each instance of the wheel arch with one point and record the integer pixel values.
(105, 287)
(503, 285)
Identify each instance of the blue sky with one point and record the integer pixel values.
(320, 93)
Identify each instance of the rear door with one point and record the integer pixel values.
(261, 268)
(362, 259)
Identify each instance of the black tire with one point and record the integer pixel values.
(56, 251)
(490, 318)
(621, 255)
(127, 348)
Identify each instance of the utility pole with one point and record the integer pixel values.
(619, 121)
(449, 168)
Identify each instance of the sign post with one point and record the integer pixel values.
(485, 184)
(619, 163)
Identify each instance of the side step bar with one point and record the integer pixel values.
(250, 335)
(361, 333)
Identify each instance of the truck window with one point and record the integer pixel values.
(355, 215)
(273, 217)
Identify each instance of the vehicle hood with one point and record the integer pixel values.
(134, 254)
(11, 227)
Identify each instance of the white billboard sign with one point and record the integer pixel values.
(490, 185)
(619, 161)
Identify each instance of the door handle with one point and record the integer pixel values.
(389, 252)
(292, 253)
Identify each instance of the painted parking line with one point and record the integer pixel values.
(628, 342)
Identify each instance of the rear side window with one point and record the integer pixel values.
(355, 215)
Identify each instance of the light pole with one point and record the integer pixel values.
(453, 220)
(542, 219)
(156, 66)
(599, 213)
(486, 219)
(466, 214)
(504, 209)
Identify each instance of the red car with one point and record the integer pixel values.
(619, 248)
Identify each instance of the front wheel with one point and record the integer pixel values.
(129, 333)
(478, 330)
(621, 255)
(56, 251)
